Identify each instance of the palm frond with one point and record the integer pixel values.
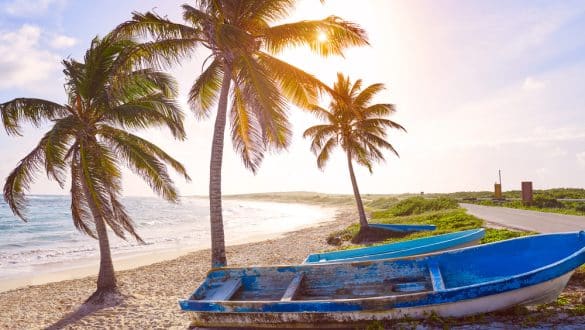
(204, 92)
(325, 153)
(153, 26)
(80, 211)
(340, 35)
(266, 11)
(123, 221)
(56, 143)
(365, 96)
(195, 16)
(151, 111)
(19, 180)
(360, 154)
(298, 86)
(261, 95)
(118, 137)
(162, 53)
(142, 161)
(246, 132)
(34, 111)
(319, 134)
(379, 109)
(322, 113)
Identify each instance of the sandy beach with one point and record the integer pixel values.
(152, 291)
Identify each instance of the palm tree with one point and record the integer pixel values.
(241, 66)
(107, 94)
(355, 125)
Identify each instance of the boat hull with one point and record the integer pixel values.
(490, 277)
(402, 228)
(433, 244)
(540, 293)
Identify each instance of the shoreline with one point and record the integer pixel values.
(88, 266)
(151, 292)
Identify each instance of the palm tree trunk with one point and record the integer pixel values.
(356, 194)
(218, 258)
(106, 282)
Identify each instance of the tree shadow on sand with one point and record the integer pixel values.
(87, 308)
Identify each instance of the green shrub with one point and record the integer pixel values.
(545, 201)
(418, 205)
(495, 235)
(579, 207)
(344, 235)
(382, 203)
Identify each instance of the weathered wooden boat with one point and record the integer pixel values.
(402, 228)
(485, 278)
(413, 247)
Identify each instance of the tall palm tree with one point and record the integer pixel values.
(354, 124)
(241, 66)
(107, 94)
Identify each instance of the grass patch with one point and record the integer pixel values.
(542, 202)
(344, 235)
(495, 235)
(382, 203)
(416, 205)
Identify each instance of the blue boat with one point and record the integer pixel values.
(413, 247)
(479, 279)
(402, 228)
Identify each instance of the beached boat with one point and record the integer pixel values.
(413, 247)
(402, 228)
(485, 278)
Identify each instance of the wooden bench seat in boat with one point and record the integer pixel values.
(436, 277)
(293, 287)
(226, 290)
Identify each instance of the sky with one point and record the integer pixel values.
(479, 86)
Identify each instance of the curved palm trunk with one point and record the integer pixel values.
(356, 193)
(106, 282)
(218, 258)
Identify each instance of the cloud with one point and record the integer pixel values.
(581, 158)
(531, 84)
(27, 8)
(62, 41)
(23, 59)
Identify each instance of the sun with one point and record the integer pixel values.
(322, 37)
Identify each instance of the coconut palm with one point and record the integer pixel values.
(242, 66)
(107, 94)
(354, 124)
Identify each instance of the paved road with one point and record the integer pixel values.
(527, 220)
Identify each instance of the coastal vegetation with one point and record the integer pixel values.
(557, 200)
(241, 45)
(355, 125)
(108, 94)
(541, 203)
(444, 213)
(557, 193)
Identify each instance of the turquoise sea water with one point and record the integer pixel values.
(50, 237)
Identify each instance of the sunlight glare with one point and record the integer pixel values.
(322, 36)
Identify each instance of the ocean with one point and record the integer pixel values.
(49, 237)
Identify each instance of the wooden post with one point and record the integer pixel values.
(498, 191)
(527, 192)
